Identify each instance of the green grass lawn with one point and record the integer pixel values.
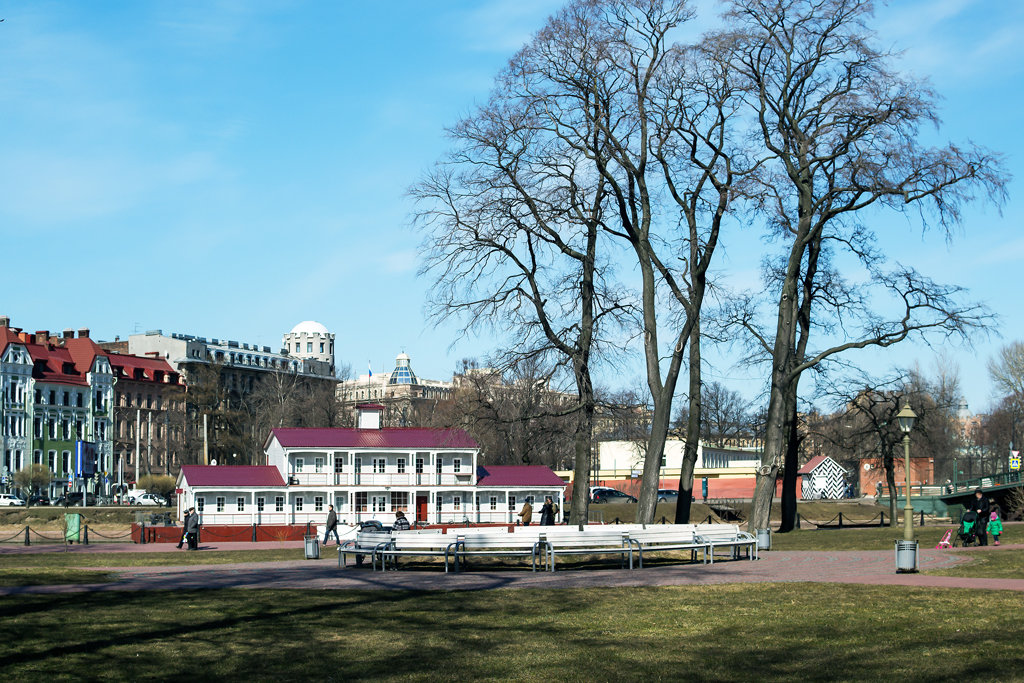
(998, 563)
(51, 576)
(729, 633)
(873, 538)
(175, 557)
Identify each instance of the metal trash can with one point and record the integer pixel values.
(312, 548)
(764, 539)
(906, 557)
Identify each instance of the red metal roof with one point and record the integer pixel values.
(516, 475)
(811, 464)
(125, 366)
(231, 475)
(392, 437)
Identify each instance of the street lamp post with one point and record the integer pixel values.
(906, 418)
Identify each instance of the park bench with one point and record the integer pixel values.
(670, 537)
(727, 536)
(419, 543)
(590, 541)
(501, 543)
(365, 543)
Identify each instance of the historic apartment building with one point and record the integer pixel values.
(54, 395)
(407, 399)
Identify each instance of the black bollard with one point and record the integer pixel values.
(253, 533)
(840, 520)
(26, 535)
(85, 535)
(142, 533)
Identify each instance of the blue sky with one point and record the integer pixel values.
(228, 169)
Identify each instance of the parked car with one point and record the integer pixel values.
(9, 499)
(613, 496)
(668, 496)
(39, 499)
(150, 499)
(72, 499)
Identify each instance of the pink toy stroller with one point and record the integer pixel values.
(946, 541)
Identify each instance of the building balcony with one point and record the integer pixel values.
(378, 480)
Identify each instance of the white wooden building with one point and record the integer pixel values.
(822, 478)
(368, 472)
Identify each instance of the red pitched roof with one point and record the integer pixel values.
(393, 437)
(811, 464)
(125, 367)
(516, 475)
(231, 475)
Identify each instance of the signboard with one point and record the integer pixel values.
(85, 458)
(1015, 463)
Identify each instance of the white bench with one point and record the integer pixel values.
(727, 536)
(591, 541)
(366, 543)
(501, 543)
(678, 537)
(419, 543)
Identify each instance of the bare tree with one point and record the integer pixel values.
(513, 217)
(1007, 370)
(517, 418)
(838, 130)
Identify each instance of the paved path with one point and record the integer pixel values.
(857, 567)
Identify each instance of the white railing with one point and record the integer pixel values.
(380, 479)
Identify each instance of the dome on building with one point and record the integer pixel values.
(309, 327)
(402, 374)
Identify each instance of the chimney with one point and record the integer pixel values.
(68, 333)
(83, 332)
(42, 336)
(5, 321)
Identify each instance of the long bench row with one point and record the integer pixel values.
(544, 544)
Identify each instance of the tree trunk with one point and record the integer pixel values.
(789, 472)
(890, 478)
(579, 510)
(692, 431)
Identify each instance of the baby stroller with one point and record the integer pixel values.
(967, 534)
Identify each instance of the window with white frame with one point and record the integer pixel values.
(360, 501)
(200, 503)
(378, 465)
(439, 501)
(401, 465)
(279, 504)
(440, 461)
(318, 504)
(400, 501)
(494, 502)
(260, 503)
(318, 463)
(456, 502)
(299, 464)
(220, 503)
(511, 502)
(419, 465)
(457, 465)
(298, 504)
(240, 502)
(379, 503)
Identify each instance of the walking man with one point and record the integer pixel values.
(192, 529)
(980, 505)
(332, 526)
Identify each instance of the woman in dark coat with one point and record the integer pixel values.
(547, 513)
